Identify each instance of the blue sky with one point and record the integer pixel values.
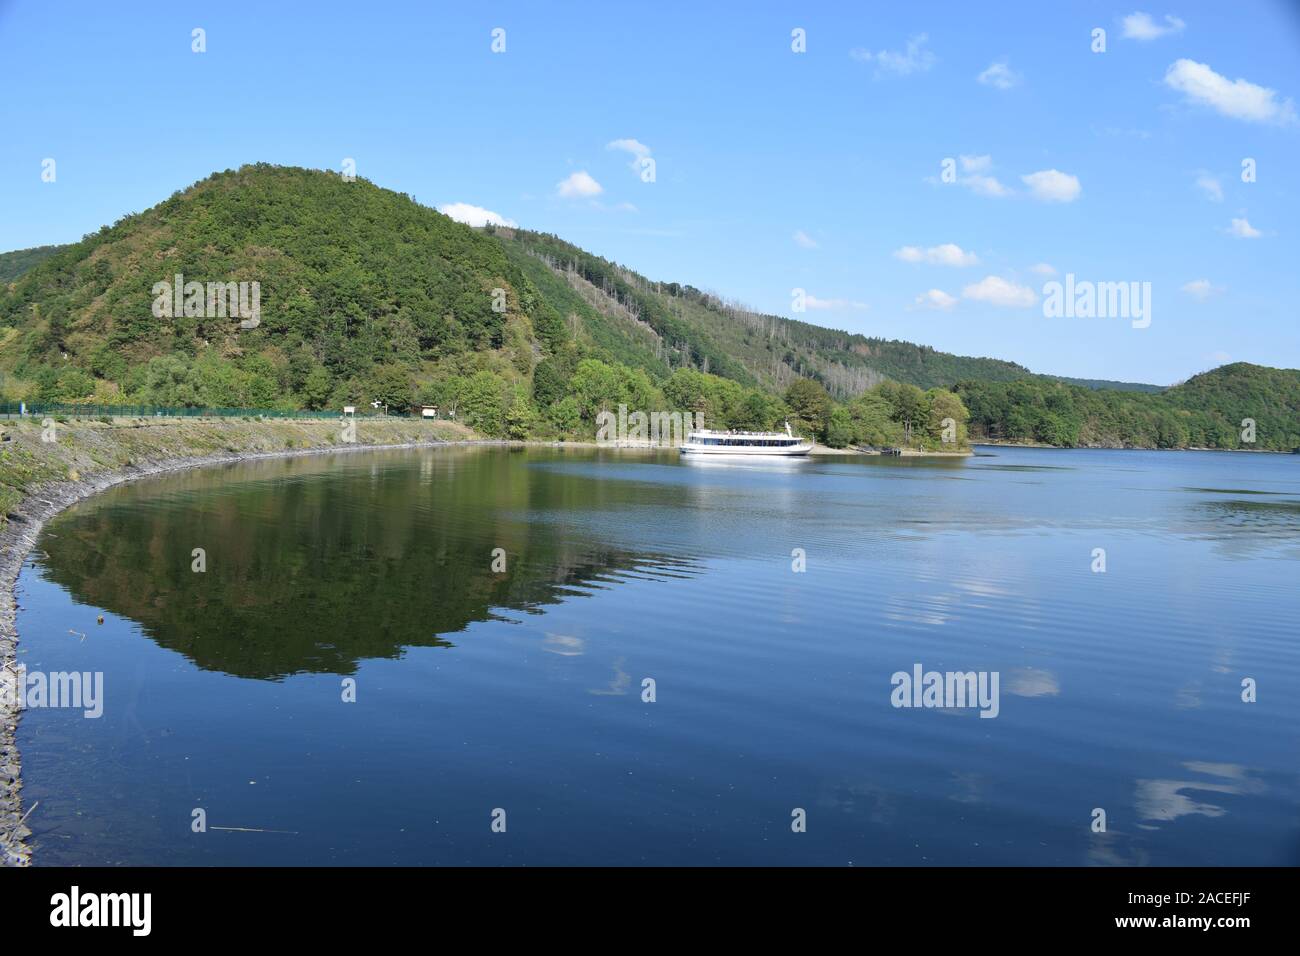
(774, 170)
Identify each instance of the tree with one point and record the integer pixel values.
(316, 388)
(910, 407)
(482, 403)
(839, 428)
(391, 385)
(757, 412)
(521, 417)
(597, 387)
(946, 407)
(566, 415)
(873, 424)
(810, 403)
(687, 390)
(549, 381)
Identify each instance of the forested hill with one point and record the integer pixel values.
(1235, 406)
(357, 275)
(364, 295)
(613, 291)
(684, 326)
(359, 287)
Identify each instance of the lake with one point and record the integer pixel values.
(770, 605)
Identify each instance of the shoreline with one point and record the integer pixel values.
(39, 504)
(1017, 444)
(824, 450)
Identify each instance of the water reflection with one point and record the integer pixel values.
(618, 684)
(563, 644)
(308, 573)
(1032, 682)
(1163, 801)
(741, 463)
(1113, 848)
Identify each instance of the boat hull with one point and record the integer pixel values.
(741, 451)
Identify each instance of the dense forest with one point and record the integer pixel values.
(703, 331)
(1211, 410)
(367, 296)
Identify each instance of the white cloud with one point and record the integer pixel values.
(1210, 186)
(935, 299)
(633, 146)
(986, 186)
(803, 239)
(1052, 185)
(1043, 269)
(812, 302)
(1048, 185)
(1140, 26)
(474, 215)
(1202, 288)
(998, 291)
(974, 169)
(579, 185)
(948, 254)
(1242, 229)
(914, 59)
(1238, 98)
(636, 148)
(999, 75)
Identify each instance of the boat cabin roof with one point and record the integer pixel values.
(734, 434)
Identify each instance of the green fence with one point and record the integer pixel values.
(65, 410)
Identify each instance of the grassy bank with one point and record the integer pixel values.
(83, 449)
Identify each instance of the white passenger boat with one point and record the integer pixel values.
(784, 444)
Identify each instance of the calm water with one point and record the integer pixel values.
(522, 690)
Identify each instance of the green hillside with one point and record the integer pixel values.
(699, 330)
(361, 275)
(366, 296)
(1207, 411)
(353, 280)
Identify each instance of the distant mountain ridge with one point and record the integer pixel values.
(13, 264)
(1099, 383)
(1238, 406)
